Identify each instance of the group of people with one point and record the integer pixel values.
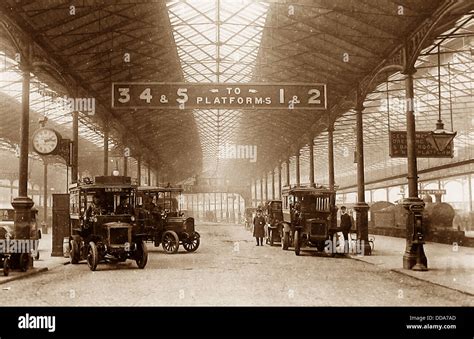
(97, 207)
(259, 225)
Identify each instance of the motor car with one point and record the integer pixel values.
(274, 217)
(7, 221)
(163, 222)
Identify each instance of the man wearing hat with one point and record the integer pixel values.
(346, 223)
(259, 227)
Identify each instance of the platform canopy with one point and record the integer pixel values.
(84, 46)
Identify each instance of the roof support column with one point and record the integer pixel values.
(273, 185)
(45, 195)
(23, 204)
(361, 207)
(287, 165)
(331, 155)
(106, 150)
(75, 146)
(139, 170)
(255, 193)
(149, 175)
(261, 192)
(25, 129)
(297, 168)
(266, 186)
(414, 257)
(311, 162)
(279, 179)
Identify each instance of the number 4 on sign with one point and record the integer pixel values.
(146, 95)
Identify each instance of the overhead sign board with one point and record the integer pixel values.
(155, 95)
(398, 146)
(432, 191)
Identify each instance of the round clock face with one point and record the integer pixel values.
(45, 141)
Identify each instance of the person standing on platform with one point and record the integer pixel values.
(346, 225)
(259, 227)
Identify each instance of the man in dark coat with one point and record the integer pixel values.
(259, 227)
(346, 223)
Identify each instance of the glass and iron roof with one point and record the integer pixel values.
(242, 41)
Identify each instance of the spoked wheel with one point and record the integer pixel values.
(285, 241)
(297, 243)
(92, 256)
(24, 261)
(74, 253)
(141, 255)
(6, 266)
(192, 245)
(170, 242)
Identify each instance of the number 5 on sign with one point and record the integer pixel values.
(183, 96)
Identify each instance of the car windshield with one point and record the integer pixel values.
(168, 201)
(7, 214)
(307, 203)
(276, 205)
(110, 200)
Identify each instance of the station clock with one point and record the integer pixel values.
(45, 141)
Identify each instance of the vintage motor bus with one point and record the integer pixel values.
(101, 220)
(309, 215)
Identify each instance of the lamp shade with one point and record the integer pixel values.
(440, 138)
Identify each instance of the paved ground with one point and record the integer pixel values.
(228, 269)
(449, 265)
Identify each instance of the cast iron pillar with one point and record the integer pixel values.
(414, 257)
(331, 155)
(45, 196)
(331, 170)
(106, 150)
(287, 165)
(139, 170)
(149, 175)
(311, 162)
(273, 185)
(222, 210)
(361, 208)
(23, 204)
(75, 147)
(255, 193)
(297, 168)
(279, 179)
(266, 187)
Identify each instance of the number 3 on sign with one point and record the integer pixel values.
(124, 95)
(315, 94)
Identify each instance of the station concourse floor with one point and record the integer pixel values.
(229, 269)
